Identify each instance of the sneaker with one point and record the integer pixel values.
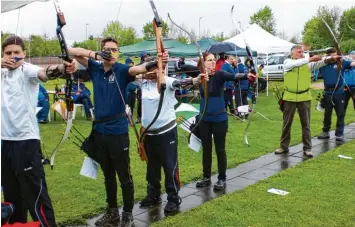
(150, 201)
(205, 182)
(324, 135)
(173, 204)
(308, 153)
(220, 185)
(127, 220)
(138, 120)
(339, 138)
(110, 218)
(281, 151)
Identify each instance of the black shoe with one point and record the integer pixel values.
(138, 120)
(127, 220)
(220, 185)
(110, 218)
(339, 138)
(150, 201)
(43, 121)
(173, 203)
(324, 135)
(205, 182)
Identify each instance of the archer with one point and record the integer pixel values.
(23, 177)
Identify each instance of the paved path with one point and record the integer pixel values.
(239, 178)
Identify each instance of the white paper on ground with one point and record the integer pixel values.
(194, 143)
(243, 109)
(277, 191)
(319, 107)
(89, 168)
(343, 156)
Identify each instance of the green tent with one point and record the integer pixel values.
(174, 47)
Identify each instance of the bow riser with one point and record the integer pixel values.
(157, 27)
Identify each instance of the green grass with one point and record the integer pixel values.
(76, 198)
(321, 194)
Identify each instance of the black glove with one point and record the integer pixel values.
(104, 54)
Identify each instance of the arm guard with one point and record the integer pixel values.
(54, 73)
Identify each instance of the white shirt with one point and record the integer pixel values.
(150, 102)
(289, 64)
(19, 97)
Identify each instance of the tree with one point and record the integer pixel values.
(124, 35)
(316, 34)
(264, 18)
(347, 23)
(347, 46)
(87, 44)
(183, 39)
(295, 38)
(149, 32)
(219, 37)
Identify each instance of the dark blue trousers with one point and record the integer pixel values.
(162, 152)
(335, 101)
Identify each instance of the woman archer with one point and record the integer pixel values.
(160, 140)
(215, 121)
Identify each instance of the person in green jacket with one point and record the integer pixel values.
(297, 95)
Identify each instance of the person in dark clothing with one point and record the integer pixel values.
(81, 95)
(334, 96)
(228, 66)
(43, 101)
(241, 88)
(215, 121)
(349, 80)
(110, 129)
(23, 179)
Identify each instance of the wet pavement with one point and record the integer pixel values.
(239, 178)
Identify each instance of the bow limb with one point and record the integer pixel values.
(68, 99)
(202, 70)
(157, 27)
(335, 42)
(252, 70)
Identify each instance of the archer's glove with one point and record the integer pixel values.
(104, 55)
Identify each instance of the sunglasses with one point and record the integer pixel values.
(111, 49)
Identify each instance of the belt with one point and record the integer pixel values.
(162, 129)
(298, 92)
(110, 118)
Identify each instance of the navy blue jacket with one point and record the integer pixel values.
(107, 99)
(228, 68)
(84, 91)
(242, 84)
(216, 106)
(331, 76)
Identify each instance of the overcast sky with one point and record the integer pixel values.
(40, 17)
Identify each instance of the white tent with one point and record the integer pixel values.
(261, 41)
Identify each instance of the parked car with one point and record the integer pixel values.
(274, 66)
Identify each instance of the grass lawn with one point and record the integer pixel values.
(321, 194)
(76, 198)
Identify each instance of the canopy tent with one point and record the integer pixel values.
(7, 6)
(149, 46)
(261, 41)
(205, 43)
(174, 47)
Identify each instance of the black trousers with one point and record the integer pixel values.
(241, 98)
(219, 132)
(132, 96)
(139, 103)
(24, 183)
(263, 83)
(228, 99)
(338, 101)
(162, 152)
(349, 96)
(113, 155)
